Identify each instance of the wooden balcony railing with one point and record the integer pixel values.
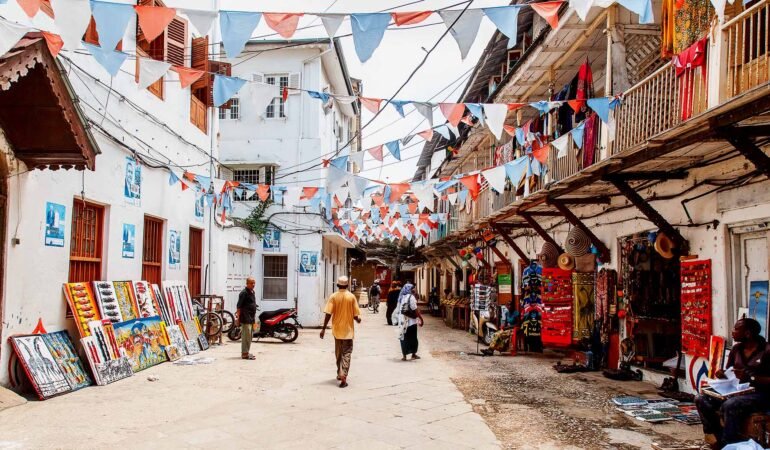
(576, 159)
(746, 53)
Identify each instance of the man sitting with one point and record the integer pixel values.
(750, 359)
(503, 340)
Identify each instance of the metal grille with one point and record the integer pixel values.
(86, 243)
(275, 277)
(152, 250)
(195, 261)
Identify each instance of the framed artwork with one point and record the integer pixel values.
(160, 303)
(271, 241)
(173, 352)
(176, 338)
(174, 248)
(758, 303)
(105, 339)
(203, 342)
(129, 240)
(716, 354)
(132, 186)
(144, 300)
(54, 224)
(141, 340)
(105, 370)
(60, 346)
(192, 347)
(81, 301)
(107, 300)
(124, 294)
(44, 374)
(308, 263)
(199, 206)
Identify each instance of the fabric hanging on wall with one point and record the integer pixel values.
(667, 25)
(591, 131)
(111, 21)
(692, 22)
(585, 85)
(464, 27)
(686, 63)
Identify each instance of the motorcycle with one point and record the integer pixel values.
(482, 326)
(273, 324)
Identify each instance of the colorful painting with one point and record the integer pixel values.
(81, 301)
(271, 241)
(141, 340)
(105, 295)
(44, 374)
(173, 352)
(105, 339)
(144, 299)
(697, 371)
(308, 264)
(124, 293)
(758, 303)
(129, 240)
(132, 187)
(174, 249)
(105, 370)
(160, 302)
(192, 347)
(54, 224)
(64, 354)
(716, 354)
(203, 342)
(178, 300)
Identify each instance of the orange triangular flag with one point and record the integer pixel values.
(263, 192)
(410, 18)
(576, 105)
(515, 106)
(383, 211)
(54, 42)
(511, 130)
(453, 112)
(308, 193)
(540, 152)
(187, 76)
(412, 208)
(472, 183)
(397, 190)
(427, 134)
(30, 7)
(548, 11)
(283, 23)
(153, 20)
(372, 104)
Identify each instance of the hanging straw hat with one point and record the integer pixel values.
(577, 243)
(548, 256)
(664, 246)
(566, 262)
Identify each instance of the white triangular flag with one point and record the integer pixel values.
(496, 178)
(496, 113)
(466, 28)
(581, 7)
(262, 95)
(10, 34)
(150, 71)
(426, 109)
(335, 178)
(347, 99)
(561, 145)
(332, 23)
(424, 193)
(201, 20)
(358, 158)
(453, 198)
(72, 19)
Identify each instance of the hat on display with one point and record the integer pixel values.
(549, 255)
(342, 281)
(566, 262)
(664, 246)
(577, 243)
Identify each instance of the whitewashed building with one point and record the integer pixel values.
(283, 145)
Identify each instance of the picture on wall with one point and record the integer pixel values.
(66, 358)
(129, 240)
(142, 340)
(124, 293)
(54, 224)
(44, 374)
(200, 198)
(132, 187)
(758, 307)
(271, 241)
(308, 263)
(174, 249)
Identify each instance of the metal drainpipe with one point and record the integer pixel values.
(212, 137)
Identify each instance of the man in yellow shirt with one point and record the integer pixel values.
(342, 309)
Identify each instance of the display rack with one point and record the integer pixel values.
(557, 307)
(696, 307)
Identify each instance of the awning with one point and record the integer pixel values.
(38, 113)
(338, 239)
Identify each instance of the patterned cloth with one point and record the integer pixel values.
(343, 351)
(692, 22)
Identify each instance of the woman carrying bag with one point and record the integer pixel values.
(408, 319)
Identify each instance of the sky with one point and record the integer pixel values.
(441, 79)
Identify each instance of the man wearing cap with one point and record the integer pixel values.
(342, 310)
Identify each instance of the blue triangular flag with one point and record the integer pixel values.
(225, 87)
(111, 21)
(368, 30)
(399, 105)
(323, 96)
(515, 169)
(394, 149)
(205, 182)
(445, 185)
(443, 130)
(172, 179)
(577, 134)
(601, 106)
(520, 138)
(506, 19)
(462, 196)
(542, 106)
(111, 60)
(340, 162)
(236, 28)
(477, 110)
(641, 7)
(615, 103)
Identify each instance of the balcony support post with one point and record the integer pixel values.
(604, 252)
(539, 230)
(511, 243)
(748, 149)
(650, 212)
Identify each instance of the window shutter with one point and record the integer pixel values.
(258, 77)
(225, 173)
(199, 60)
(176, 41)
(294, 83)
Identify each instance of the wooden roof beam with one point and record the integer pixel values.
(748, 149)
(511, 243)
(539, 230)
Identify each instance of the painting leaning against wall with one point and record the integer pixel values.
(44, 374)
(142, 340)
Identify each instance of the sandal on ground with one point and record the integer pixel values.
(344, 384)
(415, 357)
(248, 356)
(403, 358)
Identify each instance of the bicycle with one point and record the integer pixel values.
(213, 318)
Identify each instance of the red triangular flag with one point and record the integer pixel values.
(376, 152)
(383, 211)
(153, 20)
(397, 190)
(283, 23)
(453, 112)
(515, 106)
(372, 104)
(187, 76)
(263, 192)
(30, 7)
(54, 42)
(511, 130)
(548, 11)
(539, 152)
(472, 183)
(410, 18)
(308, 193)
(427, 134)
(576, 105)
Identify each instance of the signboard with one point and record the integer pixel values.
(504, 283)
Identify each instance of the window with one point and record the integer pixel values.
(234, 111)
(86, 243)
(195, 261)
(152, 250)
(275, 282)
(277, 108)
(168, 47)
(260, 175)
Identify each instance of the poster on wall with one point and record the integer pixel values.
(758, 303)
(174, 249)
(271, 241)
(504, 283)
(308, 263)
(54, 224)
(129, 240)
(132, 187)
(199, 199)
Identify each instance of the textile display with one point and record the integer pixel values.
(63, 352)
(687, 62)
(80, 299)
(583, 309)
(696, 307)
(557, 307)
(142, 340)
(606, 289)
(46, 377)
(124, 294)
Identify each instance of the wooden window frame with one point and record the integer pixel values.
(152, 249)
(195, 261)
(78, 256)
(265, 277)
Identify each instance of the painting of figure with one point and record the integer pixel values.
(60, 346)
(44, 374)
(124, 293)
(142, 341)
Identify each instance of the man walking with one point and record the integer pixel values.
(374, 296)
(246, 316)
(342, 309)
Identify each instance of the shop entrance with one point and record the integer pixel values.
(651, 289)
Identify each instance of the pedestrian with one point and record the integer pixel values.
(393, 294)
(408, 319)
(374, 296)
(246, 316)
(342, 309)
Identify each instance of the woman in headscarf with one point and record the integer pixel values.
(408, 318)
(393, 295)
